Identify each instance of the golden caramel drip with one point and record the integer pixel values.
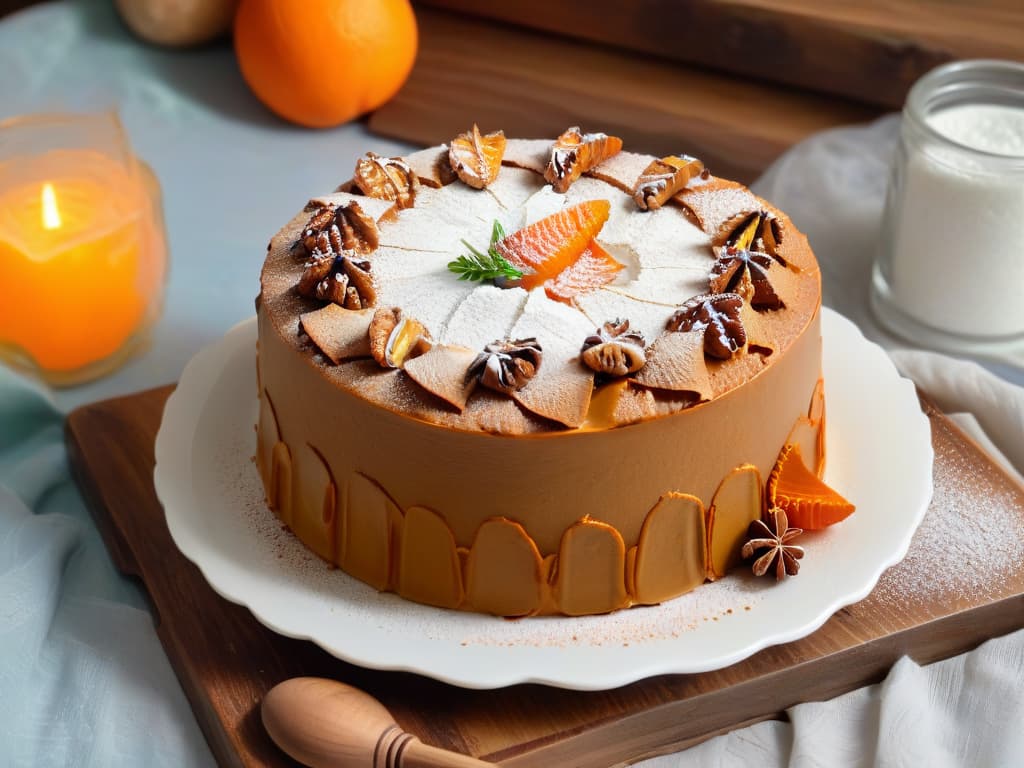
(369, 519)
(809, 432)
(280, 499)
(315, 515)
(274, 461)
(504, 570)
(603, 404)
(430, 571)
(590, 572)
(737, 503)
(670, 554)
(267, 436)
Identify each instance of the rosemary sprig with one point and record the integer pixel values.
(485, 266)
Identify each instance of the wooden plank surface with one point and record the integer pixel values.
(870, 50)
(533, 85)
(926, 607)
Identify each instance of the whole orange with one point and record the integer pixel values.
(320, 63)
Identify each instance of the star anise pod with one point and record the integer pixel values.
(334, 228)
(340, 278)
(772, 537)
(718, 315)
(734, 265)
(614, 350)
(506, 366)
(759, 231)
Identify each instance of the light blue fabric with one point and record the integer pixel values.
(83, 678)
(77, 648)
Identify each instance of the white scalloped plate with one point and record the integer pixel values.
(879, 456)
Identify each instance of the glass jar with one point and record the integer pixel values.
(950, 270)
(83, 251)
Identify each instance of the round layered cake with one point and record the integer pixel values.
(529, 377)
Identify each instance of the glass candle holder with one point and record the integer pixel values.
(83, 251)
(950, 271)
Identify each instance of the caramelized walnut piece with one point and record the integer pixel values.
(664, 178)
(338, 277)
(614, 350)
(718, 315)
(506, 366)
(334, 228)
(745, 272)
(772, 536)
(575, 153)
(759, 231)
(475, 158)
(386, 178)
(395, 338)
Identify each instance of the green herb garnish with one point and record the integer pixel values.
(485, 266)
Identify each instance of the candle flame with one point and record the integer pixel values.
(51, 213)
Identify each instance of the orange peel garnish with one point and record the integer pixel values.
(543, 249)
(594, 267)
(809, 503)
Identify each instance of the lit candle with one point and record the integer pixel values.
(82, 259)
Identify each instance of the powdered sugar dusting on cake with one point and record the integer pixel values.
(513, 186)
(430, 297)
(392, 264)
(604, 305)
(668, 286)
(557, 323)
(487, 314)
(669, 240)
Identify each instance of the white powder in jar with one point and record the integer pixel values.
(957, 254)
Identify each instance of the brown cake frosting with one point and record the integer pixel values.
(575, 443)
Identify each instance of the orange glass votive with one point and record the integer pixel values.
(83, 252)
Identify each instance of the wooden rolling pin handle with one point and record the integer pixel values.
(327, 724)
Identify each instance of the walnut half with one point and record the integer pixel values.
(506, 366)
(340, 278)
(333, 229)
(614, 350)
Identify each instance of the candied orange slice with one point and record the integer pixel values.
(594, 267)
(809, 503)
(546, 247)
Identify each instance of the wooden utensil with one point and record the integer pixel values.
(327, 724)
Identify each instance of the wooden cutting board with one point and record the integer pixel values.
(960, 584)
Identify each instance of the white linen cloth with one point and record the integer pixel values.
(83, 678)
(964, 711)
